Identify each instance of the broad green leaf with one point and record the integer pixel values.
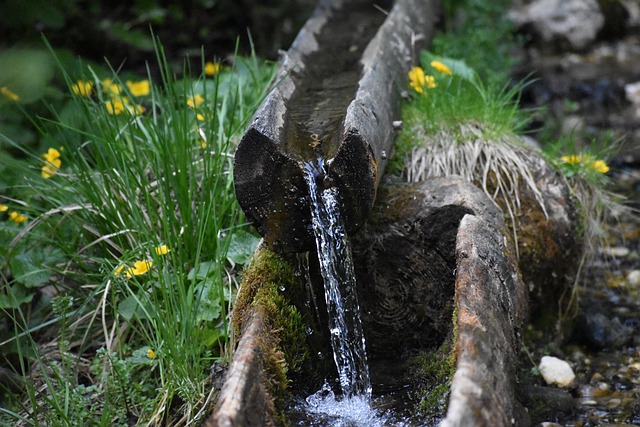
(242, 246)
(209, 304)
(130, 307)
(457, 67)
(15, 295)
(28, 271)
(202, 270)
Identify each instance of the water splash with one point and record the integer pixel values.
(336, 265)
(355, 411)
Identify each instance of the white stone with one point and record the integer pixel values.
(556, 371)
(634, 277)
(632, 92)
(576, 21)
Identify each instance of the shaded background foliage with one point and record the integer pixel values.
(120, 31)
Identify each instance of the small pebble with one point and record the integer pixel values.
(634, 277)
(556, 371)
(616, 251)
(613, 403)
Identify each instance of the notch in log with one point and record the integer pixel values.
(335, 98)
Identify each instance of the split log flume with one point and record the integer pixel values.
(317, 147)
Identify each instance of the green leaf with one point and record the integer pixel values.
(458, 68)
(14, 296)
(27, 270)
(242, 246)
(209, 305)
(202, 270)
(129, 307)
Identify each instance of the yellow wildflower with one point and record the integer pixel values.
(119, 105)
(417, 79)
(4, 208)
(162, 250)
(17, 217)
(139, 268)
(9, 94)
(82, 88)
(600, 166)
(115, 107)
(52, 163)
(431, 81)
(572, 159)
(440, 67)
(138, 109)
(118, 270)
(200, 117)
(212, 68)
(151, 354)
(140, 88)
(109, 86)
(195, 101)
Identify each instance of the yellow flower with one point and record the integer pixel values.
(431, 81)
(151, 354)
(212, 68)
(140, 88)
(9, 94)
(82, 88)
(200, 117)
(162, 250)
(417, 79)
(17, 217)
(118, 270)
(119, 105)
(139, 268)
(440, 67)
(4, 208)
(115, 107)
(138, 109)
(600, 166)
(52, 163)
(572, 159)
(195, 101)
(109, 86)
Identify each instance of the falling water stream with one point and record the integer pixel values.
(345, 326)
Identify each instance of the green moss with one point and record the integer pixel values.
(270, 282)
(436, 370)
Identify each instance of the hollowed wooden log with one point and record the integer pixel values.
(335, 98)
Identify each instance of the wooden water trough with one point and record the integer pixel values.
(434, 261)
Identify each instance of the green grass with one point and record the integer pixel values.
(106, 328)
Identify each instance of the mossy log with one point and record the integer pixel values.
(245, 398)
(435, 260)
(335, 97)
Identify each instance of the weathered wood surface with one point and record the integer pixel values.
(427, 248)
(490, 300)
(335, 97)
(244, 399)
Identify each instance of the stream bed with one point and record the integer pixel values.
(586, 95)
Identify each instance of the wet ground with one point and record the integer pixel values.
(585, 96)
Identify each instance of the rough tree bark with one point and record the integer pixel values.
(335, 98)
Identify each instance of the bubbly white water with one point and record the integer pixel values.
(336, 265)
(354, 411)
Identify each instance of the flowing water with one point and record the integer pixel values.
(336, 265)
